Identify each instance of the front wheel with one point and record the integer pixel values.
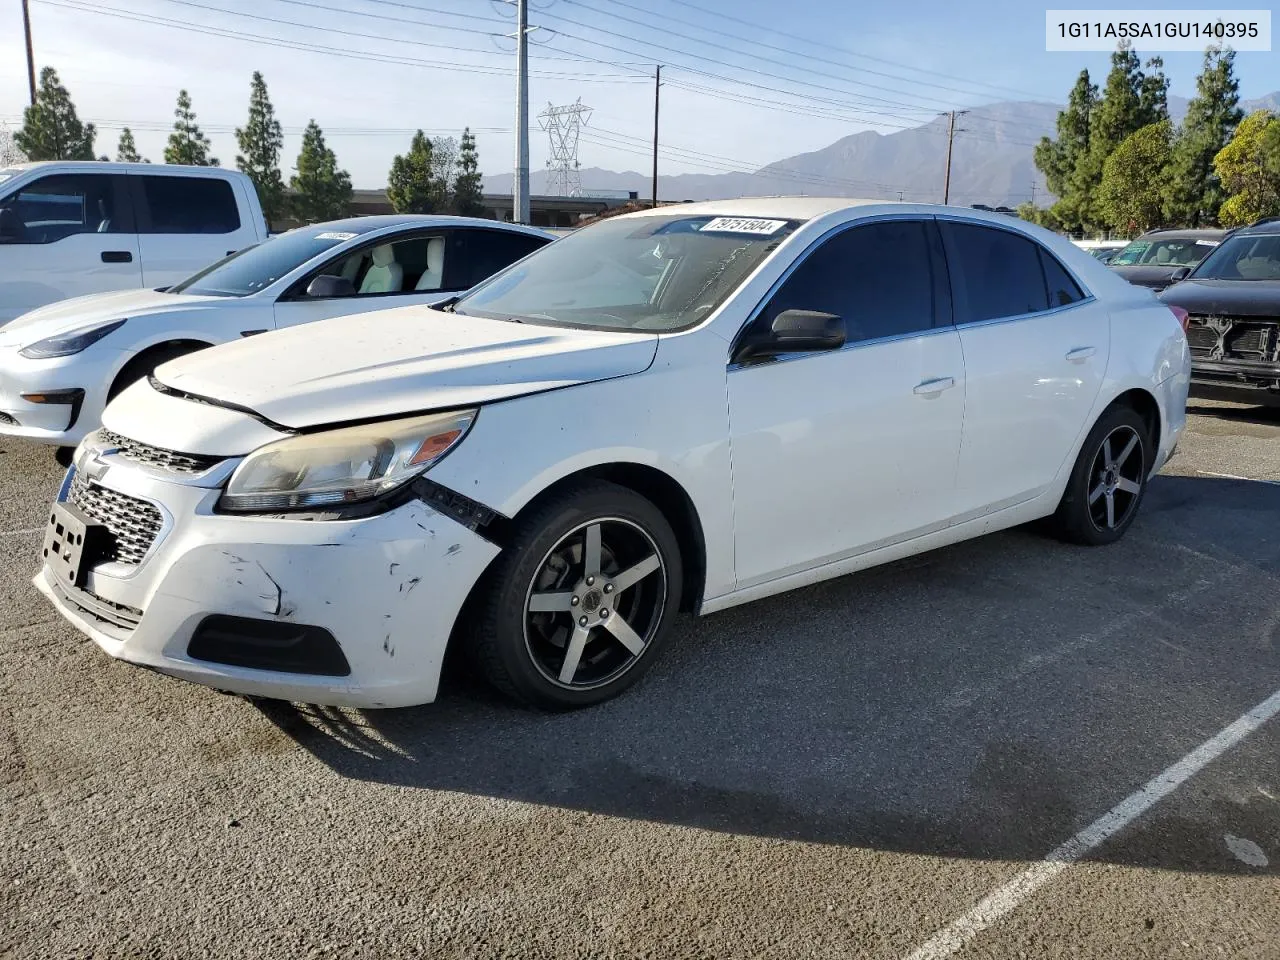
(1108, 481)
(578, 605)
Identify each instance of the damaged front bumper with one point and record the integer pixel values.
(1241, 381)
(387, 588)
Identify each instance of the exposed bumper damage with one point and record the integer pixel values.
(386, 587)
(1235, 358)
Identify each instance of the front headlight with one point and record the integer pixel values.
(65, 344)
(342, 466)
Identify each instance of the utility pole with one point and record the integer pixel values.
(951, 134)
(520, 188)
(31, 62)
(1033, 193)
(657, 85)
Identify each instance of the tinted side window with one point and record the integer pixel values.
(877, 277)
(1062, 289)
(478, 254)
(994, 273)
(189, 205)
(62, 205)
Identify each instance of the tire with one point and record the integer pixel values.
(145, 363)
(1108, 481)
(64, 456)
(526, 652)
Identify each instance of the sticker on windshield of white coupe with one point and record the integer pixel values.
(763, 228)
(1206, 243)
(336, 235)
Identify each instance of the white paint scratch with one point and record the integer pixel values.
(1007, 898)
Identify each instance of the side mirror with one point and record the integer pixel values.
(326, 286)
(1179, 274)
(796, 331)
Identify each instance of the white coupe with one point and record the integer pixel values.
(61, 364)
(680, 409)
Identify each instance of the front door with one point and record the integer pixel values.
(840, 452)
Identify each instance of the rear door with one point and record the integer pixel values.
(1035, 350)
(66, 235)
(185, 223)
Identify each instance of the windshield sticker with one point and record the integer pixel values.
(1206, 243)
(336, 235)
(762, 228)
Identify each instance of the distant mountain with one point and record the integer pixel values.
(991, 162)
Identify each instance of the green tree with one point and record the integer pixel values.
(1130, 194)
(1058, 158)
(412, 185)
(468, 200)
(50, 128)
(1193, 194)
(1248, 174)
(1043, 216)
(260, 141)
(321, 191)
(127, 150)
(1153, 93)
(187, 144)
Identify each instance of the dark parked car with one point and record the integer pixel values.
(1233, 328)
(1156, 257)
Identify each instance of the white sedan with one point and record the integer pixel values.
(61, 364)
(680, 409)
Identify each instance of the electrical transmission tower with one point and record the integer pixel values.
(563, 126)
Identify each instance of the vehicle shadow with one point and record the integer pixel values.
(1238, 413)
(987, 700)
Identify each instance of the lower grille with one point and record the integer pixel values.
(116, 614)
(7, 420)
(134, 524)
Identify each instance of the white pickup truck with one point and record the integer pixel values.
(69, 228)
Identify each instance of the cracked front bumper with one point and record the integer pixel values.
(387, 587)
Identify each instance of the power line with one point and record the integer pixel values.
(308, 47)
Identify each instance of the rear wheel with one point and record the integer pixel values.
(1108, 481)
(577, 607)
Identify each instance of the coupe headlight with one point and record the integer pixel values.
(65, 344)
(342, 466)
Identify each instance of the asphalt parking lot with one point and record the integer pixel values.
(876, 766)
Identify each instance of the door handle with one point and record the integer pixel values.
(117, 256)
(1081, 354)
(931, 388)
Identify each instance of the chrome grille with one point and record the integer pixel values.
(134, 524)
(157, 457)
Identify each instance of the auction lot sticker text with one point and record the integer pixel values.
(1157, 31)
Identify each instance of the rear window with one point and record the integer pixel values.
(189, 205)
(995, 273)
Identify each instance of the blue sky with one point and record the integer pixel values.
(740, 94)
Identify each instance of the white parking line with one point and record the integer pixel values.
(1232, 476)
(1007, 898)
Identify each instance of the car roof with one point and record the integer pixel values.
(362, 225)
(1267, 227)
(102, 166)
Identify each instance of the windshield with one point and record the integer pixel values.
(650, 273)
(255, 268)
(1185, 252)
(1243, 258)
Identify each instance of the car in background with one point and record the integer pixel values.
(61, 364)
(1232, 302)
(1161, 257)
(1100, 249)
(684, 408)
(70, 228)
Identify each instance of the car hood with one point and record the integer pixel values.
(1145, 275)
(394, 362)
(66, 315)
(1241, 298)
